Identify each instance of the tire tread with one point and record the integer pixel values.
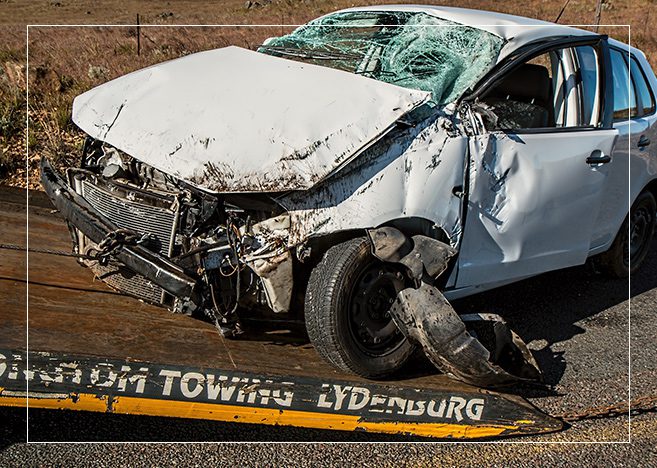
(325, 295)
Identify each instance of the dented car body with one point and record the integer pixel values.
(371, 156)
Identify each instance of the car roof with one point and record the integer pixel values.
(515, 30)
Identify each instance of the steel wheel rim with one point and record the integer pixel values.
(371, 298)
(639, 234)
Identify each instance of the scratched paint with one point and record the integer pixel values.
(408, 174)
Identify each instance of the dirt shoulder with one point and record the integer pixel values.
(64, 62)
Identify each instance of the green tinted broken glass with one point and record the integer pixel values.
(413, 50)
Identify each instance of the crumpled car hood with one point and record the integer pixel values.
(234, 120)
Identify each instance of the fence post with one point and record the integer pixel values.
(598, 14)
(138, 36)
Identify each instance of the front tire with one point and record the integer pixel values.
(347, 305)
(631, 246)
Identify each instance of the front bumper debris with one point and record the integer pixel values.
(491, 355)
(153, 266)
(479, 349)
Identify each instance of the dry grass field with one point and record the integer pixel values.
(65, 61)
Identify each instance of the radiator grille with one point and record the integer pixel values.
(140, 218)
(122, 278)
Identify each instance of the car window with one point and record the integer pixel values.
(559, 88)
(413, 50)
(643, 90)
(624, 98)
(588, 83)
(523, 98)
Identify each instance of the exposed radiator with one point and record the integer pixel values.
(141, 218)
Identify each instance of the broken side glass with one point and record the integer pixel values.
(409, 49)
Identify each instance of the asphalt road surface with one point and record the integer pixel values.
(575, 321)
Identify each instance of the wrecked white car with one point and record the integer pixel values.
(364, 169)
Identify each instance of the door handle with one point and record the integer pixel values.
(643, 141)
(598, 157)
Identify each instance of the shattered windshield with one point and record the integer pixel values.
(413, 50)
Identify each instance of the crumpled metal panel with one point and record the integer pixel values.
(408, 174)
(233, 120)
(530, 209)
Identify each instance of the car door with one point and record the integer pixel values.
(538, 171)
(633, 162)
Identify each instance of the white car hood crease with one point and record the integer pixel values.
(234, 120)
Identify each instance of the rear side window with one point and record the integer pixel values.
(646, 98)
(624, 98)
